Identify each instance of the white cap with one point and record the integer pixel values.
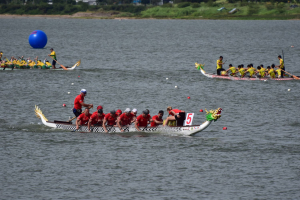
(83, 90)
(134, 110)
(127, 110)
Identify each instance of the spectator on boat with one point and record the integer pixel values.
(176, 114)
(83, 118)
(96, 118)
(124, 119)
(232, 69)
(53, 56)
(142, 120)
(281, 66)
(79, 102)
(157, 119)
(220, 65)
(109, 120)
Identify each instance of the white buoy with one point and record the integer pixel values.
(289, 89)
(175, 86)
(68, 92)
(72, 83)
(167, 78)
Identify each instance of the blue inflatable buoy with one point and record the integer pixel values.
(37, 39)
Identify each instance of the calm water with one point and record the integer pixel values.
(125, 64)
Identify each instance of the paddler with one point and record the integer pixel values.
(176, 114)
(220, 64)
(109, 120)
(261, 70)
(124, 119)
(133, 113)
(142, 120)
(53, 56)
(157, 119)
(1, 56)
(279, 73)
(79, 102)
(83, 118)
(251, 70)
(96, 118)
(232, 69)
(281, 66)
(271, 71)
(241, 70)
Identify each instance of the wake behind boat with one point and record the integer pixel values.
(211, 75)
(13, 67)
(212, 115)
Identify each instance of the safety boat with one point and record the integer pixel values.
(189, 130)
(236, 78)
(13, 67)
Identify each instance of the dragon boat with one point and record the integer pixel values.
(17, 67)
(212, 115)
(236, 78)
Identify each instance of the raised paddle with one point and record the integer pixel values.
(295, 77)
(59, 64)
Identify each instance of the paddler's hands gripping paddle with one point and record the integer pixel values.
(59, 63)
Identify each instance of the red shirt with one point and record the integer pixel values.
(155, 117)
(83, 118)
(77, 102)
(126, 120)
(142, 121)
(175, 110)
(97, 119)
(111, 120)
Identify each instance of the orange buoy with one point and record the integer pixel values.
(224, 128)
(64, 105)
(201, 110)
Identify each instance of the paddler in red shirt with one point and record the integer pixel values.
(142, 120)
(157, 119)
(96, 118)
(133, 113)
(79, 102)
(176, 114)
(124, 119)
(83, 118)
(110, 120)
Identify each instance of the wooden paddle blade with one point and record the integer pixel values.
(296, 77)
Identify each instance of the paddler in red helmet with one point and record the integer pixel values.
(124, 119)
(176, 114)
(79, 102)
(109, 120)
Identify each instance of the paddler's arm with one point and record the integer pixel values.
(87, 105)
(89, 124)
(103, 125)
(136, 126)
(77, 123)
(119, 124)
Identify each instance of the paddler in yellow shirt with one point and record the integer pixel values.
(271, 71)
(53, 56)
(232, 69)
(262, 71)
(1, 56)
(241, 70)
(281, 66)
(220, 64)
(251, 70)
(279, 73)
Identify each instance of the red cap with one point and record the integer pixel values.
(99, 107)
(119, 112)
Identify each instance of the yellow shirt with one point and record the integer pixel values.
(251, 71)
(262, 72)
(232, 69)
(48, 64)
(219, 66)
(53, 55)
(272, 73)
(278, 72)
(242, 71)
(281, 63)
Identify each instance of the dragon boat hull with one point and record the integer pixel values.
(60, 68)
(210, 75)
(180, 130)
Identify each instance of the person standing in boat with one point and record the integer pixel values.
(53, 56)
(220, 64)
(176, 114)
(281, 66)
(157, 119)
(79, 102)
(142, 120)
(83, 118)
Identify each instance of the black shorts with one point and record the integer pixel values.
(180, 119)
(219, 71)
(77, 112)
(53, 62)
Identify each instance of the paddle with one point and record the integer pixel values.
(295, 77)
(59, 64)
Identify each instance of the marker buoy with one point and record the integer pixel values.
(289, 89)
(188, 97)
(68, 92)
(224, 128)
(78, 76)
(201, 110)
(167, 78)
(64, 105)
(175, 86)
(37, 39)
(292, 46)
